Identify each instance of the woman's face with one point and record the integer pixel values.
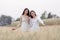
(33, 14)
(26, 11)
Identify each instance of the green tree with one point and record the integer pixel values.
(5, 20)
(44, 15)
(49, 15)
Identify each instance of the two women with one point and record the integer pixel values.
(29, 21)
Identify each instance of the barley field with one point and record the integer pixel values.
(46, 33)
(51, 31)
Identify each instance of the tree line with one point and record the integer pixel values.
(5, 20)
(50, 15)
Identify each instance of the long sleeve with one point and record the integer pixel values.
(41, 21)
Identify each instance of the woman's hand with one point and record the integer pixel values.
(14, 29)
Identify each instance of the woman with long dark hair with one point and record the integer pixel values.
(24, 20)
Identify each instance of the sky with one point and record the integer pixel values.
(14, 8)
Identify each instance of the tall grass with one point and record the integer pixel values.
(55, 21)
(46, 33)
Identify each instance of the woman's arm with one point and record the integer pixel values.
(41, 21)
(19, 24)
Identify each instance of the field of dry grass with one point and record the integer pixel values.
(51, 31)
(55, 21)
(52, 21)
(46, 33)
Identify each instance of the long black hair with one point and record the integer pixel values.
(33, 12)
(25, 10)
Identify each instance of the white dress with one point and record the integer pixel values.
(34, 23)
(24, 24)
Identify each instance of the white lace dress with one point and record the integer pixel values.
(34, 23)
(24, 24)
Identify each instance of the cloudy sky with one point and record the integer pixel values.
(14, 8)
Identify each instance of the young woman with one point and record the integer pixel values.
(24, 20)
(34, 22)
